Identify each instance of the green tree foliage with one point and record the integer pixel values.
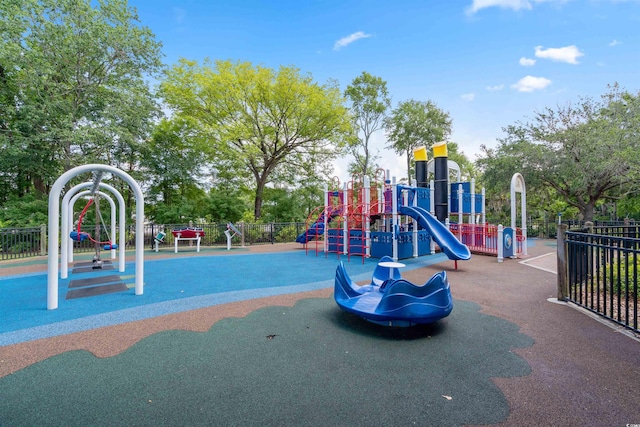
(26, 211)
(72, 87)
(413, 124)
(267, 121)
(468, 170)
(629, 207)
(172, 163)
(226, 205)
(370, 101)
(585, 152)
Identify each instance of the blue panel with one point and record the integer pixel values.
(509, 242)
(356, 242)
(466, 187)
(405, 245)
(381, 244)
(335, 241)
(424, 198)
(424, 243)
(466, 203)
(478, 203)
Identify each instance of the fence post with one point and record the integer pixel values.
(500, 243)
(43, 239)
(562, 262)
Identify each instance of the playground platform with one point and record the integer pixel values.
(505, 356)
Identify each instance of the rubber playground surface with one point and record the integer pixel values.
(256, 339)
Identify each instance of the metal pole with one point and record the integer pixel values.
(562, 263)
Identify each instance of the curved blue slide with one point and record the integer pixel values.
(448, 243)
(317, 229)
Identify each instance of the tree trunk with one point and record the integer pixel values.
(257, 208)
(39, 185)
(589, 210)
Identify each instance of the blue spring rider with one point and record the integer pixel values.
(392, 301)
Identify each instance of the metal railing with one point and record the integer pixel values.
(22, 242)
(602, 271)
(252, 234)
(29, 242)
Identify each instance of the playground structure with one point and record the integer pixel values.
(378, 218)
(54, 225)
(412, 220)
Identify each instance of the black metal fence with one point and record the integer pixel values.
(252, 234)
(541, 228)
(546, 228)
(603, 265)
(28, 242)
(22, 242)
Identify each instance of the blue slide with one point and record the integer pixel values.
(448, 243)
(317, 229)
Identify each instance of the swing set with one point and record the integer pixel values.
(78, 235)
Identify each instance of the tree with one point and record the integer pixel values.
(72, 87)
(587, 152)
(467, 168)
(172, 163)
(267, 121)
(413, 124)
(370, 101)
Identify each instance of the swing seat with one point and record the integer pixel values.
(109, 247)
(78, 237)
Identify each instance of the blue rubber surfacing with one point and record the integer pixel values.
(171, 285)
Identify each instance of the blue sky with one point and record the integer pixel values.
(489, 63)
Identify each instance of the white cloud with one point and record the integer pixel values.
(505, 4)
(516, 5)
(569, 54)
(345, 41)
(468, 96)
(527, 62)
(615, 43)
(179, 14)
(495, 88)
(530, 84)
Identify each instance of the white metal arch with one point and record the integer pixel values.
(518, 186)
(54, 228)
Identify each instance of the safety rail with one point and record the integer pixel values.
(483, 238)
(602, 273)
